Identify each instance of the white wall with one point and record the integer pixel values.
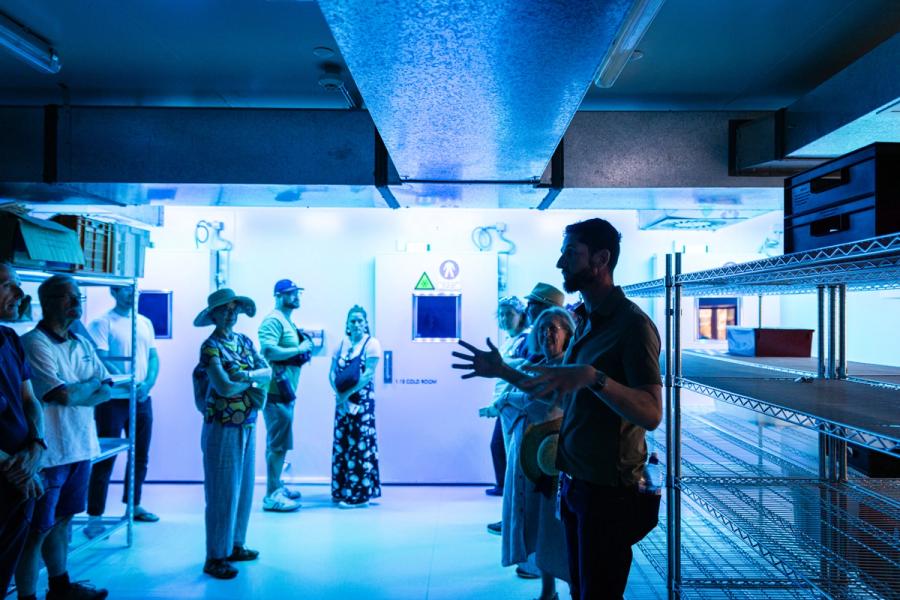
(331, 253)
(873, 324)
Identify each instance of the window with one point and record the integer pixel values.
(714, 315)
(436, 317)
(157, 306)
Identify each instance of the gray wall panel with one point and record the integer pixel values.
(21, 143)
(653, 149)
(173, 145)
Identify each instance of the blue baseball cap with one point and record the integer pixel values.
(284, 286)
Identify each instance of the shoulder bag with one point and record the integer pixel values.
(348, 377)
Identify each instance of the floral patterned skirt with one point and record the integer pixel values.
(354, 454)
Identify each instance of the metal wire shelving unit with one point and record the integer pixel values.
(728, 538)
(109, 447)
(819, 532)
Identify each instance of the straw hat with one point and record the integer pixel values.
(537, 455)
(547, 294)
(221, 298)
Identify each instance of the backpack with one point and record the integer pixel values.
(201, 387)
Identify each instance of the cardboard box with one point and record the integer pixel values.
(756, 341)
(39, 244)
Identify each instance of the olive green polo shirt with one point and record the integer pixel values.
(595, 443)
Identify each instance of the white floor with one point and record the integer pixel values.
(425, 543)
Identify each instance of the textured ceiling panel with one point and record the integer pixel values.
(469, 89)
(444, 195)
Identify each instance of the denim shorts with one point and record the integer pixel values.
(65, 494)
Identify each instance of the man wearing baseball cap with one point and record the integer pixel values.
(283, 345)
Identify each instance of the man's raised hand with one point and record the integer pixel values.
(480, 363)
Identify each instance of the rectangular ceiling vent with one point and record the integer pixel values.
(687, 220)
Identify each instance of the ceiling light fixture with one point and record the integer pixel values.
(632, 31)
(27, 46)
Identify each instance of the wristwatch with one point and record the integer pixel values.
(253, 383)
(599, 380)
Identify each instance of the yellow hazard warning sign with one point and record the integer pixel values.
(424, 282)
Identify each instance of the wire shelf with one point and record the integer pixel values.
(81, 542)
(737, 503)
(881, 274)
(879, 490)
(826, 534)
(796, 446)
(872, 264)
(845, 263)
(715, 564)
(93, 279)
(877, 376)
(646, 289)
(844, 430)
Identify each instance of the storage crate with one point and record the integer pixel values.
(850, 198)
(95, 238)
(129, 247)
(757, 341)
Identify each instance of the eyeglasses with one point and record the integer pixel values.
(72, 297)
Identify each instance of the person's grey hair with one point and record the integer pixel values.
(564, 316)
(52, 286)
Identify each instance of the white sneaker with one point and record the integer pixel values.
(94, 527)
(278, 502)
(344, 504)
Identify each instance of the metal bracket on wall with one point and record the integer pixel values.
(557, 177)
(382, 160)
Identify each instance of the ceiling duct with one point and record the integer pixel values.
(854, 108)
(473, 90)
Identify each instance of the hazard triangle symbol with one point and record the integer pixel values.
(424, 283)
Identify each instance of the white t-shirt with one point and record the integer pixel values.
(112, 334)
(69, 431)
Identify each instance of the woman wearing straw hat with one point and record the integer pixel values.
(529, 508)
(233, 377)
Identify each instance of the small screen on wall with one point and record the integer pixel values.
(157, 306)
(436, 317)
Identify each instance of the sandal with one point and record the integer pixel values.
(243, 553)
(219, 568)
